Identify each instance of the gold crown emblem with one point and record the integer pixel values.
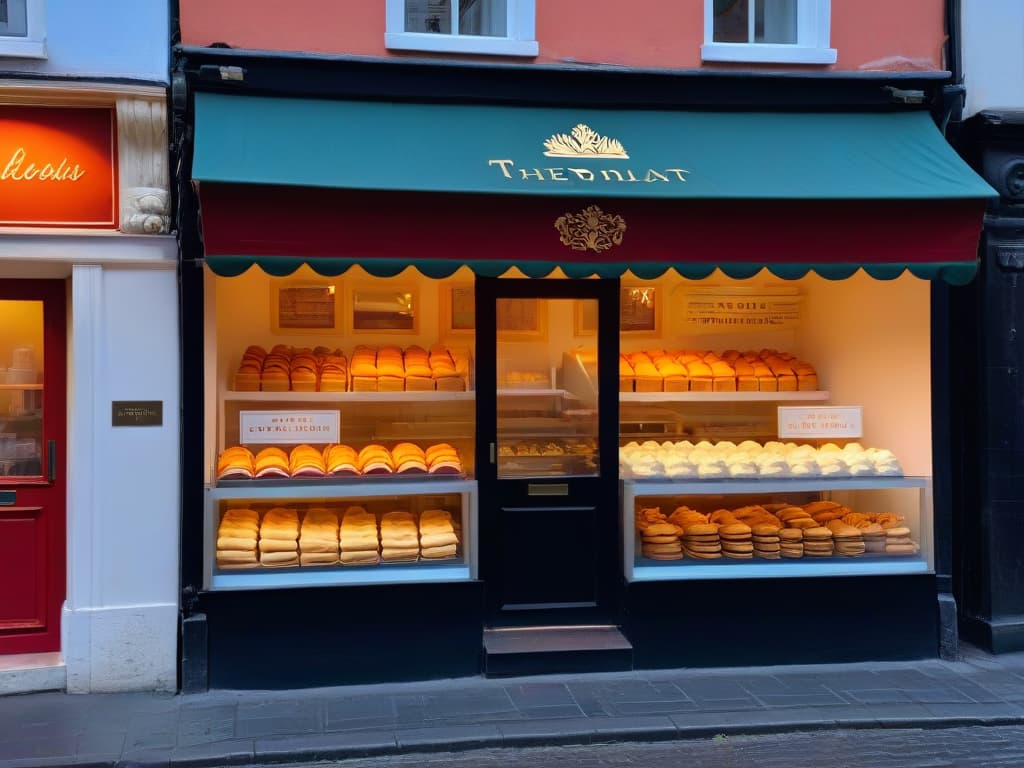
(584, 142)
(591, 229)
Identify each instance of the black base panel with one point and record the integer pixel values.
(751, 622)
(301, 638)
(994, 635)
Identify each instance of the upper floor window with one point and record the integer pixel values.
(500, 27)
(22, 29)
(768, 31)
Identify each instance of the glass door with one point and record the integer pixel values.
(32, 492)
(547, 458)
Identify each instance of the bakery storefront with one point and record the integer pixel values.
(529, 389)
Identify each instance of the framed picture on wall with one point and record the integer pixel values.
(639, 312)
(384, 308)
(457, 302)
(304, 307)
(521, 319)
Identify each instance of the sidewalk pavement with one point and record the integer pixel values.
(221, 728)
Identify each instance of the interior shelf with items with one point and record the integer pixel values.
(545, 433)
(756, 528)
(363, 365)
(366, 531)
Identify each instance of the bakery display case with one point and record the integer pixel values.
(786, 527)
(340, 451)
(301, 533)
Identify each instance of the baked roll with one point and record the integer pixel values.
(271, 462)
(375, 459)
(306, 461)
(341, 460)
(408, 457)
(236, 463)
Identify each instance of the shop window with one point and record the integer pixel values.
(23, 29)
(500, 27)
(769, 31)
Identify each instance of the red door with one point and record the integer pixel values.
(33, 423)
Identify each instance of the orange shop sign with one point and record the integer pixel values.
(58, 166)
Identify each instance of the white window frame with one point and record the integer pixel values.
(520, 40)
(814, 19)
(33, 44)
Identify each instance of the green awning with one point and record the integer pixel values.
(576, 152)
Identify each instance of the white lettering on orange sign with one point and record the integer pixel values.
(18, 170)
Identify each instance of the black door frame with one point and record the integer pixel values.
(491, 490)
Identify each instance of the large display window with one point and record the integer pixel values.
(778, 429)
(342, 444)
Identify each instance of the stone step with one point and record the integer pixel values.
(542, 650)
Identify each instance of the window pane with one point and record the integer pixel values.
(731, 21)
(13, 18)
(483, 17)
(547, 398)
(428, 16)
(21, 389)
(775, 21)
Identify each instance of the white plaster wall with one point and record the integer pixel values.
(112, 38)
(120, 617)
(993, 54)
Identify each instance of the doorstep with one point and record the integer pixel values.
(32, 673)
(517, 651)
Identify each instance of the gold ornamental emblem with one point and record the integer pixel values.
(591, 229)
(584, 142)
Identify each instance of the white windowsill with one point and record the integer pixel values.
(494, 46)
(766, 53)
(22, 49)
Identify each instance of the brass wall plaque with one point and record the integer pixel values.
(137, 413)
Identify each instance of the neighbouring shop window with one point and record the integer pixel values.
(786, 31)
(23, 28)
(504, 27)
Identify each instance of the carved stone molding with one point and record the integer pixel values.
(142, 165)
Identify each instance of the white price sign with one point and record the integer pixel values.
(289, 427)
(828, 421)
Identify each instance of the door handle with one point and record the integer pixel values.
(51, 460)
(492, 454)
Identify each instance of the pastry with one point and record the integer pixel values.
(236, 463)
(306, 461)
(341, 460)
(271, 462)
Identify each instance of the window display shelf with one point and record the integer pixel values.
(724, 397)
(426, 396)
(425, 493)
(640, 568)
(527, 392)
(666, 487)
